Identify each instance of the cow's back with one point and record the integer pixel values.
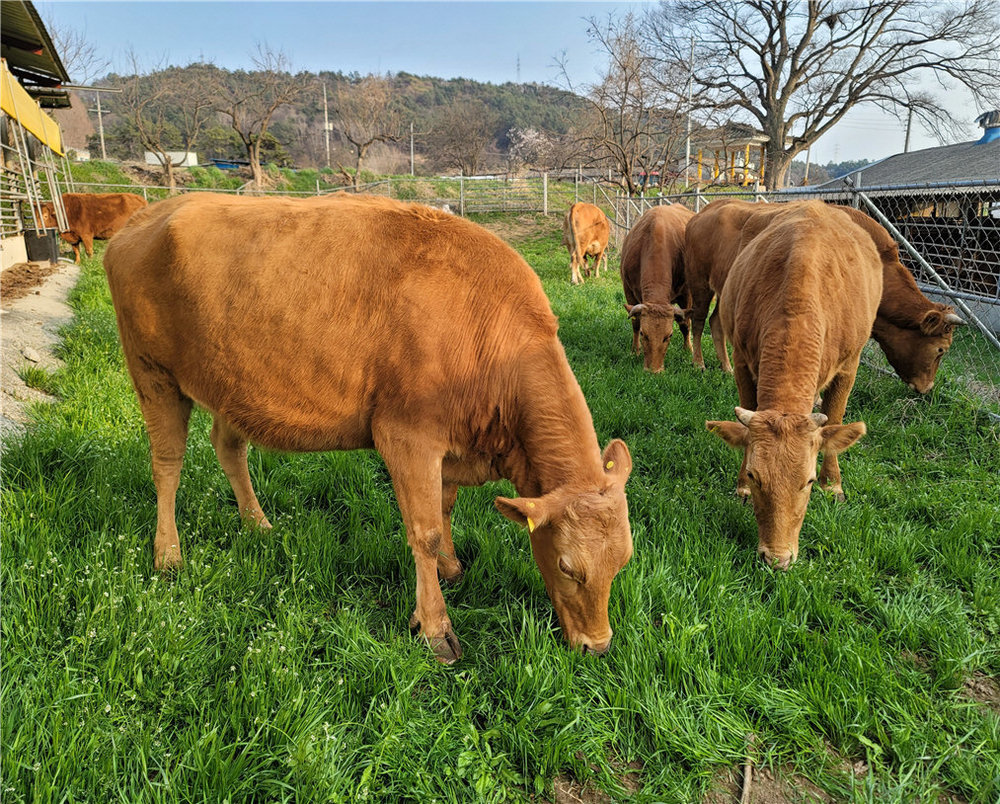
(652, 255)
(802, 295)
(100, 215)
(295, 319)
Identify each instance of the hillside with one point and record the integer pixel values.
(425, 101)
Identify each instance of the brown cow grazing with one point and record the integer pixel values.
(92, 216)
(585, 234)
(355, 322)
(653, 277)
(798, 307)
(913, 331)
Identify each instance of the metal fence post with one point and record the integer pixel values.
(461, 196)
(545, 193)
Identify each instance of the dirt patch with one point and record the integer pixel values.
(567, 790)
(766, 787)
(29, 333)
(984, 690)
(19, 280)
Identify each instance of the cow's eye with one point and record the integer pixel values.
(752, 477)
(569, 571)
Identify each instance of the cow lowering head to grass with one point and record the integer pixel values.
(914, 332)
(585, 234)
(798, 307)
(652, 275)
(351, 322)
(92, 216)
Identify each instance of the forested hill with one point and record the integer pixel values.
(437, 108)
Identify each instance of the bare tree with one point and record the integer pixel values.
(462, 135)
(796, 68)
(83, 60)
(168, 108)
(364, 115)
(250, 100)
(636, 117)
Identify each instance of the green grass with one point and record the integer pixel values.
(279, 667)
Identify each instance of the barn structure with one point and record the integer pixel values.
(31, 82)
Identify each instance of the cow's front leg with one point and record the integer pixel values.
(416, 477)
(746, 387)
(834, 406)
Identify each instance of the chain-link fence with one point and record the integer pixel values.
(949, 237)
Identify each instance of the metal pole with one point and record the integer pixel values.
(687, 147)
(326, 126)
(100, 127)
(411, 150)
(909, 120)
(545, 193)
(461, 195)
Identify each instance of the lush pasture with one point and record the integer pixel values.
(279, 667)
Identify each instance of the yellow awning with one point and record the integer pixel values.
(18, 104)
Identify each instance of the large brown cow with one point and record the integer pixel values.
(798, 307)
(913, 331)
(585, 234)
(355, 322)
(653, 277)
(92, 216)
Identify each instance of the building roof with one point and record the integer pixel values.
(948, 164)
(30, 54)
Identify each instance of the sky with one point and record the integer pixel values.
(485, 41)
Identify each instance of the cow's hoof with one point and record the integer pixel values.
(455, 578)
(169, 560)
(447, 649)
(839, 497)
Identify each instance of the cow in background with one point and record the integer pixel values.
(585, 234)
(798, 306)
(652, 274)
(92, 216)
(913, 331)
(352, 322)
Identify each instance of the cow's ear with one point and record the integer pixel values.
(530, 512)
(617, 460)
(838, 437)
(932, 323)
(733, 433)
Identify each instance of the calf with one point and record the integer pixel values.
(352, 322)
(652, 274)
(585, 234)
(798, 307)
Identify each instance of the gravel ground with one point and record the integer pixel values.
(32, 310)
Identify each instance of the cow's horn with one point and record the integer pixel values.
(637, 309)
(819, 418)
(951, 318)
(744, 416)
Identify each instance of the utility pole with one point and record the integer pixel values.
(100, 112)
(687, 147)
(909, 120)
(326, 125)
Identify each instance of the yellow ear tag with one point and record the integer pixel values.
(531, 525)
(611, 465)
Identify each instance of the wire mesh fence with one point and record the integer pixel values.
(949, 238)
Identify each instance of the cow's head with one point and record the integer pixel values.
(48, 214)
(580, 541)
(915, 352)
(656, 325)
(779, 470)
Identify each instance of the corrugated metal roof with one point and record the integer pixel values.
(964, 162)
(30, 54)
